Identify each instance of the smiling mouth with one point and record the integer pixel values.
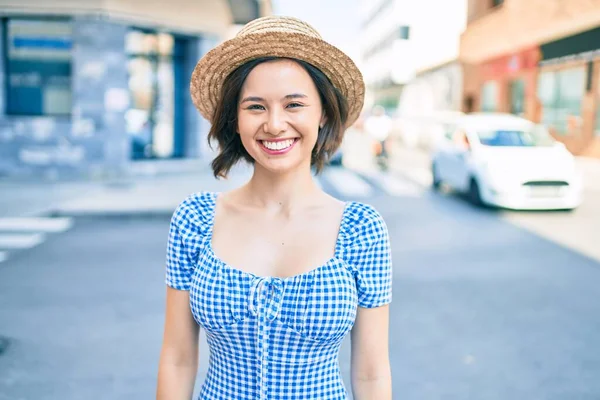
(278, 145)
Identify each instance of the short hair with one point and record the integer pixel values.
(224, 127)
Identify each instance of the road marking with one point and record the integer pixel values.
(21, 241)
(53, 225)
(347, 182)
(3, 256)
(395, 186)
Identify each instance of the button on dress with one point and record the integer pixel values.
(277, 338)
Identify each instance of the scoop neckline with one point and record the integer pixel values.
(332, 259)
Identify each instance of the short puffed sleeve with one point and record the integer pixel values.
(188, 232)
(369, 256)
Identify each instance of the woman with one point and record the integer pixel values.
(277, 272)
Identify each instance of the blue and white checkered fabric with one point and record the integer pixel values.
(273, 338)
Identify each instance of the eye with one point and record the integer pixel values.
(255, 107)
(295, 105)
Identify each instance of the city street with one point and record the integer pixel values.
(578, 230)
(484, 307)
(112, 113)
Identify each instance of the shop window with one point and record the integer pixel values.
(597, 125)
(489, 97)
(153, 121)
(517, 97)
(37, 56)
(561, 94)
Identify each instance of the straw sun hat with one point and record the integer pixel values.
(277, 37)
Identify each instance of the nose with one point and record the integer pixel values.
(276, 123)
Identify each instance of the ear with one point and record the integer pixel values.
(323, 121)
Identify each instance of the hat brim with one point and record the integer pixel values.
(210, 72)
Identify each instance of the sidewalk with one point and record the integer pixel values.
(590, 168)
(413, 164)
(159, 196)
(145, 191)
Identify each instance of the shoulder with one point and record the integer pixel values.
(363, 219)
(364, 230)
(366, 247)
(194, 211)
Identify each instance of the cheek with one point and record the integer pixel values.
(308, 123)
(243, 123)
(247, 128)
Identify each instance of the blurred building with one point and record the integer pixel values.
(539, 59)
(437, 83)
(91, 86)
(387, 60)
(434, 95)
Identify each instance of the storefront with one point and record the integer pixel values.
(508, 83)
(156, 84)
(86, 97)
(569, 90)
(93, 90)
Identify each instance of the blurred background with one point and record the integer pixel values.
(479, 143)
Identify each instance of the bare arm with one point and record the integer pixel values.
(371, 371)
(179, 354)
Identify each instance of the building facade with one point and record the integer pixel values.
(386, 50)
(91, 87)
(435, 93)
(437, 82)
(428, 103)
(538, 59)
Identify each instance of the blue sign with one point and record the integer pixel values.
(38, 67)
(41, 43)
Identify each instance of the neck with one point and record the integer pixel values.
(278, 192)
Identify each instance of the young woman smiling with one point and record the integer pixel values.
(277, 272)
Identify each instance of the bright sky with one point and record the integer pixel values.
(337, 21)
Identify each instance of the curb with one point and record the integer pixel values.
(113, 214)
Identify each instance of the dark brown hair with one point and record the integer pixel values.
(224, 127)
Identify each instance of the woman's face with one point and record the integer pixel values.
(279, 115)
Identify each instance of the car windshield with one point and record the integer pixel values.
(536, 137)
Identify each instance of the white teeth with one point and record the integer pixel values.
(284, 144)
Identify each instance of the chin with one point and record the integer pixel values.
(280, 166)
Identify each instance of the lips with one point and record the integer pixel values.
(280, 146)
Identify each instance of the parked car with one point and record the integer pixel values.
(507, 161)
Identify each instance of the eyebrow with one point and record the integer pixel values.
(287, 97)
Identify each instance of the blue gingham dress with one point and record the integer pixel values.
(269, 337)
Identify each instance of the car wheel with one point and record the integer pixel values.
(436, 182)
(475, 193)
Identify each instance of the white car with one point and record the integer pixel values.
(509, 162)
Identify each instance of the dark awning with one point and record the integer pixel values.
(577, 45)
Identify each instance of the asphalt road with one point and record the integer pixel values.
(483, 309)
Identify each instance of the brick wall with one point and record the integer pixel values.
(522, 23)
